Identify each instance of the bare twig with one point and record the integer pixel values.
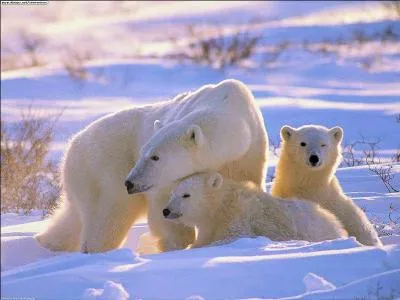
(392, 210)
(368, 152)
(274, 146)
(385, 174)
(368, 156)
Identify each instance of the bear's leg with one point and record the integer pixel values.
(63, 232)
(173, 237)
(170, 235)
(355, 221)
(106, 226)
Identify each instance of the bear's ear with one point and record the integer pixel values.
(195, 134)
(287, 132)
(215, 181)
(337, 133)
(157, 125)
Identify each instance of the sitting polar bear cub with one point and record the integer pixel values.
(306, 169)
(223, 210)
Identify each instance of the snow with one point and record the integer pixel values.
(245, 268)
(299, 88)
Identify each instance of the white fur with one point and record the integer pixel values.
(296, 177)
(229, 135)
(223, 210)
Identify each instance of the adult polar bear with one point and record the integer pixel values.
(216, 127)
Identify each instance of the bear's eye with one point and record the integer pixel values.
(185, 195)
(303, 144)
(323, 145)
(154, 157)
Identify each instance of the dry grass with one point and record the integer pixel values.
(393, 6)
(26, 52)
(73, 62)
(28, 179)
(358, 41)
(218, 48)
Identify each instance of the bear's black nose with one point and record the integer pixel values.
(129, 185)
(166, 212)
(314, 159)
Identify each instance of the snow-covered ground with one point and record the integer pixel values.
(299, 88)
(246, 268)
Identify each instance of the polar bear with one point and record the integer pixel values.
(306, 169)
(216, 126)
(223, 210)
(219, 129)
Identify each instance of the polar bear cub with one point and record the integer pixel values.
(306, 169)
(223, 209)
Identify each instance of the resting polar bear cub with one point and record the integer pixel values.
(223, 210)
(306, 169)
(218, 126)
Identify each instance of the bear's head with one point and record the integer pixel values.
(194, 199)
(312, 147)
(174, 151)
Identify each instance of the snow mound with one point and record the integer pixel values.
(380, 286)
(111, 290)
(314, 282)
